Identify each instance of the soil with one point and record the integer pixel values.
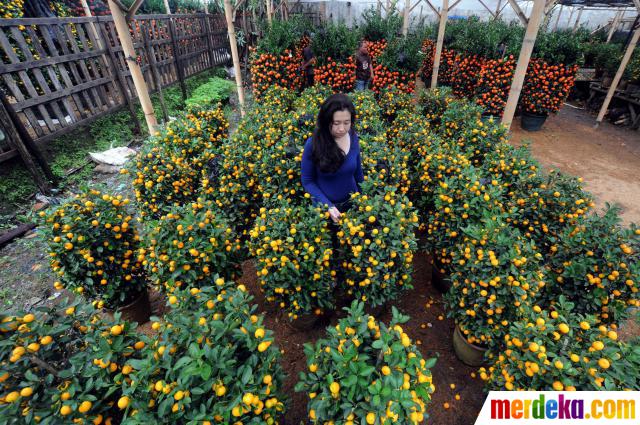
(608, 158)
(428, 327)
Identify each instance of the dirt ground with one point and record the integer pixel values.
(608, 158)
(428, 327)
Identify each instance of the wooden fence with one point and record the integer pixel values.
(61, 73)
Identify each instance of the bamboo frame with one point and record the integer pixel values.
(436, 58)
(405, 17)
(140, 84)
(614, 24)
(537, 13)
(228, 12)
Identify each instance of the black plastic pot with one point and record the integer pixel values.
(532, 122)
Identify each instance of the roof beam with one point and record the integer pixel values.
(134, 8)
(519, 12)
(487, 7)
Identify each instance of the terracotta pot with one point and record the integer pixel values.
(139, 310)
(469, 354)
(438, 279)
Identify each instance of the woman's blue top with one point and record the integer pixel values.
(333, 188)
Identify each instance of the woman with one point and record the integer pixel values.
(331, 163)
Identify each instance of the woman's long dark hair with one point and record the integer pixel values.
(326, 153)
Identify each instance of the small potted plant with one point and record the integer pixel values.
(189, 243)
(559, 350)
(293, 252)
(545, 89)
(93, 245)
(212, 360)
(378, 238)
(496, 275)
(366, 372)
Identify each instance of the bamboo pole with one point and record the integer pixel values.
(575, 26)
(573, 9)
(555, 27)
(228, 11)
(136, 73)
(268, 8)
(166, 7)
(87, 12)
(405, 17)
(614, 24)
(616, 79)
(436, 58)
(529, 41)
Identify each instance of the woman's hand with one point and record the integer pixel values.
(335, 214)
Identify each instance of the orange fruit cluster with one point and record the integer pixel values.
(376, 48)
(464, 75)
(494, 84)
(546, 86)
(383, 78)
(269, 70)
(429, 49)
(341, 77)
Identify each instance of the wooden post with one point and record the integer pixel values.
(436, 58)
(575, 26)
(122, 83)
(157, 81)
(379, 7)
(176, 58)
(87, 12)
(136, 73)
(228, 11)
(614, 24)
(573, 9)
(555, 27)
(13, 136)
(405, 17)
(530, 35)
(616, 79)
(166, 7)
(268, 8)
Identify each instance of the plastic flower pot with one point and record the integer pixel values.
(304, 322)
(138, 310)
(532, 122)
(469, 354)
(438, 279)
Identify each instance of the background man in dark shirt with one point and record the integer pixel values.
(307, 66)
(364, 69)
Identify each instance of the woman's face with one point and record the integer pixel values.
(341, 124)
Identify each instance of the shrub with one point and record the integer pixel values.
(185, 246)
(595, 266)
(92, 245)
(378, 234)
(63, 366)
(173, 166)
(384, 166)
(333, 43)
(309, 101)
(496, 274)
(292, 248)
(366, 372)
(212, 360)
(546, 87)
(214, 91)
(560, 350)
(433, 102)
(394, 102)
(377, 28)
(368, 113)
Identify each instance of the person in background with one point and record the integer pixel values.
(308, 60)
(364, 69)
